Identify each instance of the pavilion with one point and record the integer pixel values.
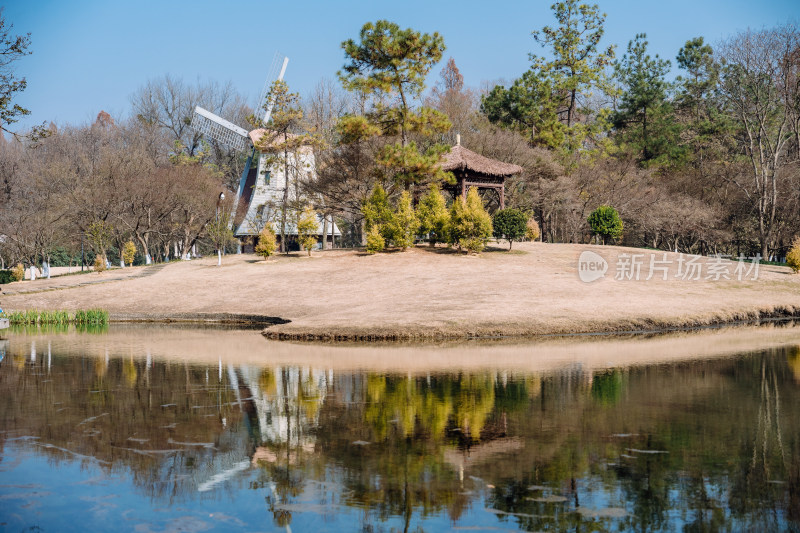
(475, 170)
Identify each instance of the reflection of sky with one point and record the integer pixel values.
(80, 496)
(75, 495)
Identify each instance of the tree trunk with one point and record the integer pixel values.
(143, 243)
(363, 232)
(284, 248)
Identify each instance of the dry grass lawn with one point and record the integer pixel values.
(533, 290)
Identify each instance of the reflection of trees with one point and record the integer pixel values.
(393, 444)
(540, 448)
(607, 387)
(163, 422)
(703, 415)
(762, 472)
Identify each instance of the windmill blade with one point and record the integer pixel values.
(278, 61)
(220, 130)
(272, 103)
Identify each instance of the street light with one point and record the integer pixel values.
(219, 201)
(219, 248)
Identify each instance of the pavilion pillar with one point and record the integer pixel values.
(502, 196)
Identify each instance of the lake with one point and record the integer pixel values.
(155, 428)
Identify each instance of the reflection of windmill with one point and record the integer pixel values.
(256, 191)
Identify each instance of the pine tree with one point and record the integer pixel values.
(13, 48)
(644, 116)
(282, 141)
(128, 253)
(793, 256)
(532, 230)
(375, 241)
(390, 63)
(550, 101)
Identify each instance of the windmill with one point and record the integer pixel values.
(229, 134)
(255, 186)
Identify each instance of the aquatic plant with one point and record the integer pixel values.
(32, 317)
(91, 316)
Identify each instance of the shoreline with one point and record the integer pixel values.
(756, 318)
(521, 332)
(220, 346)
(423, 294)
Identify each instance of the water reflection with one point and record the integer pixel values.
(696, 445)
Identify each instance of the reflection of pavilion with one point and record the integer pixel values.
(481, 453)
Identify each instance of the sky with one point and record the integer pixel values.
(91, 55)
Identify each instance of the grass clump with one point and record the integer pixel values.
(54, 317)
(91, 317)
(33, 317)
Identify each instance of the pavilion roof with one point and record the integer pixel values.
(459, 158)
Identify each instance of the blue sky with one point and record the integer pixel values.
(91, 55)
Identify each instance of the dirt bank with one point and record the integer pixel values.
(423, 294)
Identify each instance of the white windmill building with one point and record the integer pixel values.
(261, 185)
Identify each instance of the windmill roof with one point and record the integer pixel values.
(459, 158)
(257, 134)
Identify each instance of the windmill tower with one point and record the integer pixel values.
(259, 185)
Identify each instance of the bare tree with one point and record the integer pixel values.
(760, 88)
(168, 103)
(454, 100)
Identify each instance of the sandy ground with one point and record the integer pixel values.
(533, 290)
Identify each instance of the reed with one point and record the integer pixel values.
(33, 317)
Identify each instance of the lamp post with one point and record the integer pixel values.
(219, 234)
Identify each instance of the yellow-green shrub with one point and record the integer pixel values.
(267, 243)
(99, 263)
(375, 241)
(793, 257)
(307, 226)
(470, 224)
(18, 272)
(533, 232)
(128, 252)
